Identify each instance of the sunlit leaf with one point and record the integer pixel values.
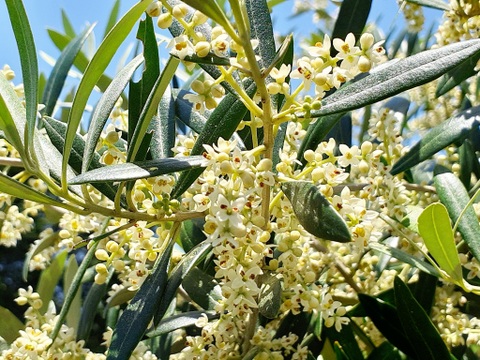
(457, 75)
(396, 76)
(112, 19)
(95, 69)
(179, 321)
(453, 130)
(59, 73)
(19, 190)
(163, 127)
(261, 29)
(49, 279)
(139, 170)
(423, 336)
(436, 4)
(314, 212)
(454, 196)
(436, 231)
(28, 59)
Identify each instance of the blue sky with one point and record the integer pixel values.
(47, 14)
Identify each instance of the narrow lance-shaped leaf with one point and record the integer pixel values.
(28, 59)
(139, 170)
(455, 76)
(314, 212)
(179, 321)
(95, 69)
(112, 19)
(59, 73)
(22, 191)
(398, 75)
(436, 231)
(104, 108)
(163, 127)
(418, 328)
(151, 106)
(435, 4)
(262, 30)
(455, 197)
(133, 322)
(11, 325)
(451, 131)
(352, 18)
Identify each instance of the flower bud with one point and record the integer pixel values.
(165, 20)
(202, 48)
(180, 11)
(366, 41)
(197, 86)
(199, 18)
(154, 9)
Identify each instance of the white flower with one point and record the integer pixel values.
(181, 46)
(350, 155)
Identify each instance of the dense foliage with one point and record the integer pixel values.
(241, 196)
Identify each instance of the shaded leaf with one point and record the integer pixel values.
(38, 246)
(454, 196)
(22, 191)
(453, 130)
(396, 76)
(314, 212)
(386, 318)
(352, 18)
(188, 115)
(405, 257)
(177, 276)
(385, 351)
(11, 325)
(346, 340)
(135, 319)
(139, 169)
(49, 279)
(210, 59)
(191, 233)
(436, 231)
(418, 328)
(89, 309)
(59, 73)
(202, 288)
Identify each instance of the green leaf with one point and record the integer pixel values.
(59, 73)
(112, 19)
(89, 309)
(133, 322)
(352, 18)
(222, 122)
(67, 25)
(151, 107)
(346, 340)
(454, 196)
(49, 279)
(270, 298)
(22, 191)
(261, 29)
(316, 134)
(314, 212)
(139, 91)
(404, 257)
(385, 351)
(104, 108)
(213, 11)
(180, 321)
(73, 315)
(457, 75)
(188, 115)
(12, 116)
(418, 328)
(424, 290)
(71, 293)
(163, 127)
(139, 170)
(453, 130)
(202, 288)
(396, 76)
(81, 61)
(37, 247)
(177, 276)
(191, 233)
(28, 59)
(386, 318)
(56, 131)
(95, 69)
(435, 4)
(11, 325)
(436, 231)
(210, 59)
